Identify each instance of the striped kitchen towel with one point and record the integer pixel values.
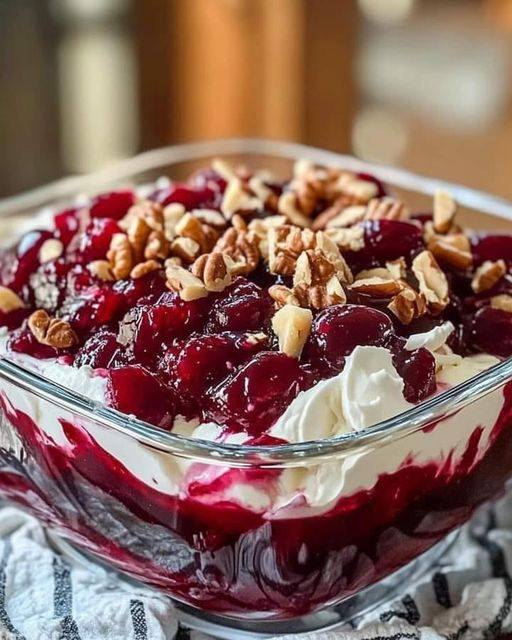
(467, 595)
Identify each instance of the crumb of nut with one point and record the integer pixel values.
(362, 190)
(444, 211)
(190, 227)
(237, 199)
(292, 326)
(386, 209)
(215, 269)
(502, 302)
(256, 338)
(487, 275)
(432, 281)
(185, 249)
(223, 169)
(407, 305)
(120, 256)
(53, 332)
(320, 296)
(189, 286)
(51, 249)
(238, 222)
(283, 295)
(138, 233)
(9, 301)
(349, 239)
(101, 269)
(285, 243)
(287, 205)
(144, 268)
(148, 211)
(211, 217)
(347, 217)
(452, 250)
(331, 251)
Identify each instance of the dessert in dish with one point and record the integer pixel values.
(247, 310)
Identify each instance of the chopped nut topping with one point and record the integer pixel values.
(287, 205)
(53, 332)
(138, 234)
(237, 199)
(51, 249)
(214, 269)
(351, 239)
(342, 213)
(157, 246)
(487, 275)
(432, 281)
(285, 244)
(292, 326)
(315, 281)
(120, 256)
(444, 212)
(211, 217)
(101, 269)
(331, 251)
(386, 209)
(452, 250)
(408, 305)
(223, 169)
(9, 301)
(502, 302)
(173, 213)
(185, 249)
(362, 190)
(146, 210)
(144, 268)
(243, 249)
(189, 286)
(190, 227)
(397, 268)
(377, 283)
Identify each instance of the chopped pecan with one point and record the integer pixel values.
(51, 249)
(185, 249)
(243, 249)
(397, 268)
(215, 269)
(157, 246)
(9, 301)
(316, 280)
(211, 217)
(350, 239)
(120, 256)
(407, 305)
(190, 227)
(487, 275)
(360, 190)
(444, 211)
(138, 233)
(189, 286)
(101, 269)
(283, 295)
(285, 244)
(150, 212)
(264, 193)
(432, 281)
(386, 209)
(321, 296)
(331, 251)
(503, 302)
(53, 332)
(342, 213)
(287, 205)
(452, 250)
(377, 283)
(144, 268)
(292, 326)
(172, 213)
(236, 199)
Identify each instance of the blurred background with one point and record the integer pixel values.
(425, 84)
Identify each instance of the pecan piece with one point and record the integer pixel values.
(185, 249)
(9, 301)
(53, 332)
(101, 269)
(120, 256)
(292, 326)
(51, 249)
(432, 281)
(444, 211)
(386, 209)
(285, 244)
(503, 302)
(190, 227)
(236, 199)
(408, 305)
(189, 286)
(242, 247)
(349, 239)
(287, 205)
(341, 213)
(214, 269)
(487, 275)
(452, 250)
(283, 295)
(150, 212)
(144, 268)
(157, 246)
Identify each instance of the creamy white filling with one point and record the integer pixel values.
(367, 391)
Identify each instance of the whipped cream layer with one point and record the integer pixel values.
(367, 391)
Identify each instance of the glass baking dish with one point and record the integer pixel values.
(320, 522)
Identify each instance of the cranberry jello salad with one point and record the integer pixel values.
(244, 309)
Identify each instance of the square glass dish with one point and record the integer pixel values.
(320, 521)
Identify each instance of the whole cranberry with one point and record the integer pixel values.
(22, 340)
(243, 306)
(94, 242)
(490, 331)
(491, 247)
(19, 262)
(339, 329)
(253, 397)
(418, 371)
(99, 350)
(189, 197)
(68, 222)
(113, 204)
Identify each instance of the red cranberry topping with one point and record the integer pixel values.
(136, 391)
(98, 351)
(491, 247)
(67, 223)
(113, 204)
(418, 370)
(338, 330)
(491, 331)
(94, 242)
(257, 394)
(18, 263)
(243, 306)
(190, 198)
(92, 308)
(22, 341)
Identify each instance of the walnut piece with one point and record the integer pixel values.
(287, 206)
(144, 268)
(487, 275)
(120, 256)
(189, 286)
(350, 239)
(241, 246)
(51, 249)
(101, 269)
(237, 199)
(185, 249)
(444, 211)
(214, 269)
(452, 250)
(9, 301)
(285, 244)
(502, 302)
(408, 305)
(292, 326)
(386, 209)
(432, 281)
(53, 332)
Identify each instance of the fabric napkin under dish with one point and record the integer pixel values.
(467, 595)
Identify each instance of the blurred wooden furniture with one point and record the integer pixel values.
(247, 67)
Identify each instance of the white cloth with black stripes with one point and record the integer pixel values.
(467, 595)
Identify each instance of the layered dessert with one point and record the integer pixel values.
(242, 309)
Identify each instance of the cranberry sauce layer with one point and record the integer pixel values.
(222, 298)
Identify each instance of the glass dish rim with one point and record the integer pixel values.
(311, 451)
